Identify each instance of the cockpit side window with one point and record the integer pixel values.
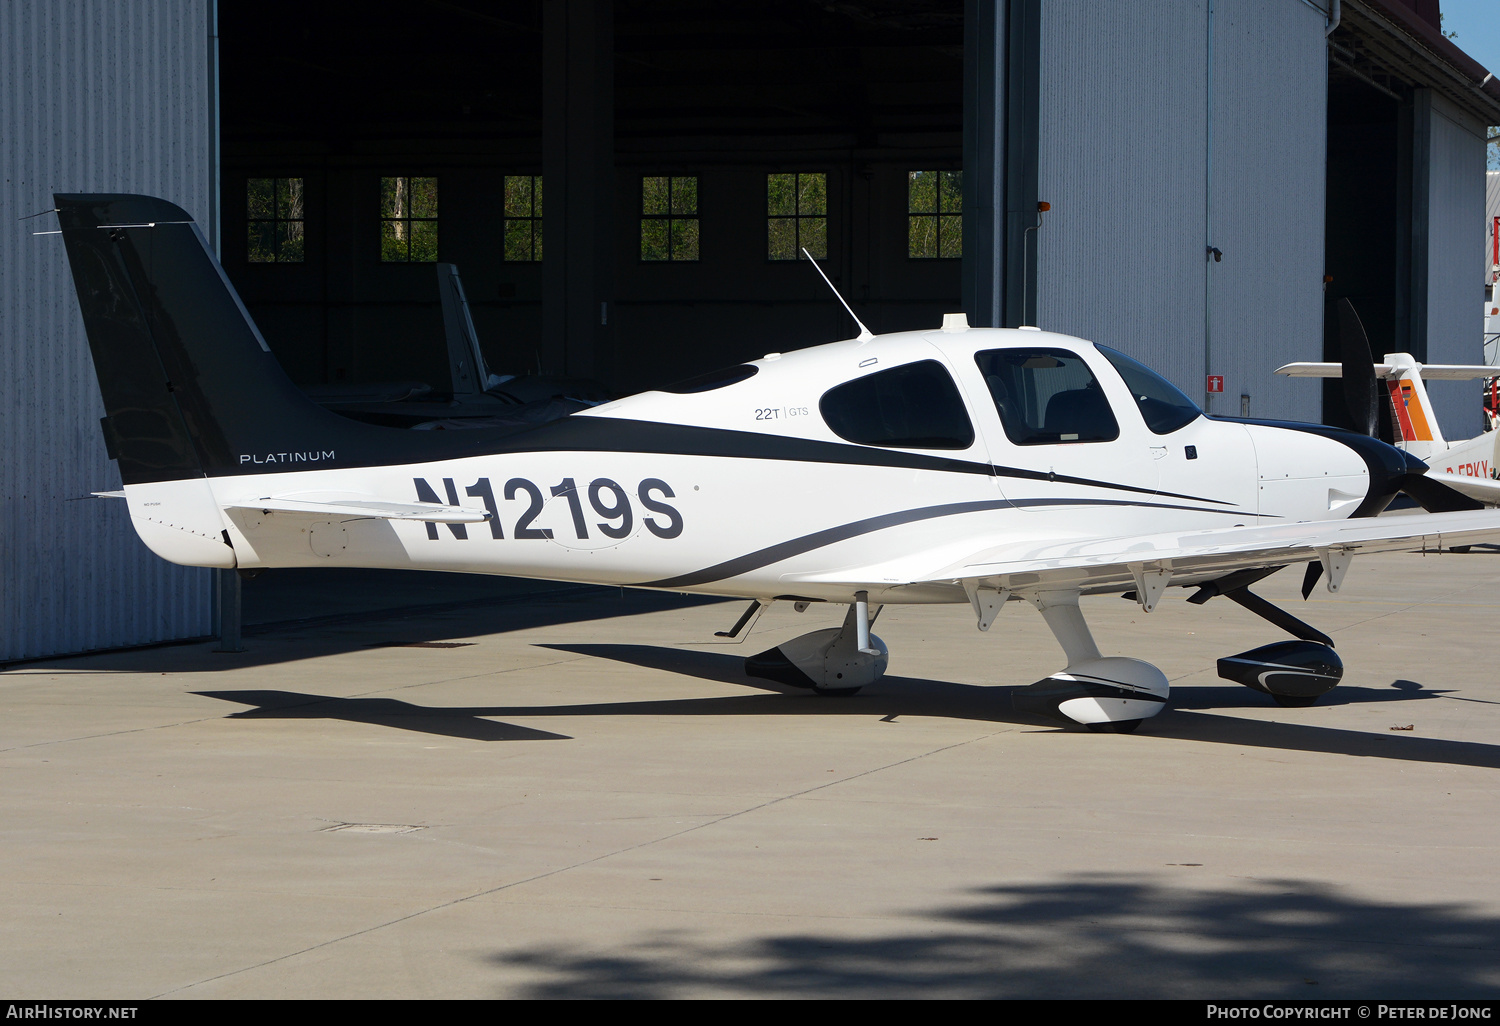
(1163, 405)
(914, 406)
(1047, 396)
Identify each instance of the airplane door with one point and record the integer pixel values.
(1214, 463)
(1059, 435)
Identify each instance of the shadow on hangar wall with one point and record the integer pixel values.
(506, 111)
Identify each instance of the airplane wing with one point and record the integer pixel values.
(1152, 561)
(430, 512)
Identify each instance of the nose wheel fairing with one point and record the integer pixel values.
(1294, 673)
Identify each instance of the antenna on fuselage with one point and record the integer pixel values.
(864, 332)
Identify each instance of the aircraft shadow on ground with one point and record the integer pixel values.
(287, 641)
(1183, 719)
(890, 697)
(1080, 937)
(469, 723)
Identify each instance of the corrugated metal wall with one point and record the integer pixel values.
(1270, 167)
(1455, 273)
(104, 95)
(1125, 163)
(1123, 123)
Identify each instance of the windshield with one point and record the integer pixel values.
(1163, 405)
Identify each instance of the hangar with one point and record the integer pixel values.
(624, 187)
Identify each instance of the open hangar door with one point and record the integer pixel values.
(1407, 111)
(623, 186)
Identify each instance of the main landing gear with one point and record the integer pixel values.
(833, 661)
(1104, 693)
(1110, 694)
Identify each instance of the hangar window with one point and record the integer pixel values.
(669, 218)
(1046, 396)
(276, 221)
(409, 220)
(914, 406)
(934, 215)
(796, 216)
(523, 218)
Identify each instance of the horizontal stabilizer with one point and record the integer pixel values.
(1458, 371)
(1386, 371)
(427, 512)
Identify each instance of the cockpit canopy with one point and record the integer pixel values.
(1044, 395)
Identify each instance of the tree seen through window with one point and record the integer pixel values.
(669, 218)
(796, 216)
(935, 206)
(409, 220)
(276, 221)
(523, 218)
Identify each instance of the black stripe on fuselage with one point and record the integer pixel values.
(808, 542)
(1037, 475)
(608, 434)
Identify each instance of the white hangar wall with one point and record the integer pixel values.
(1455, 206)
(109, 96)
(1155, 121)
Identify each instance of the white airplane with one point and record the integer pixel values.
(966, 466)
(1468, 466)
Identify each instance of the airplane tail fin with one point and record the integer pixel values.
(191, 390)
(471, 376)
(1411, 417)
(189, 385)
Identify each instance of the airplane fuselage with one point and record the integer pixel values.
(806, 467)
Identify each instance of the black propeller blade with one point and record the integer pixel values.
(1433, 496)
(1436, 497)
(1310, 578)
(1361, 391)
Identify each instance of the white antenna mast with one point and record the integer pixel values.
(864, 332)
